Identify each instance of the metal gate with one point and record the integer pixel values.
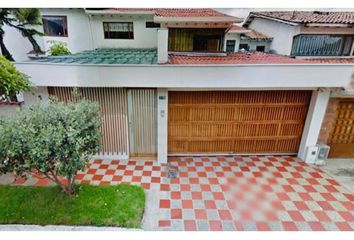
(142, 107)
(114, 114)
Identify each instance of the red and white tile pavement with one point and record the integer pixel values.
(228, 193)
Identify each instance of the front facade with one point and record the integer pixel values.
(185, 82)
(318, 36)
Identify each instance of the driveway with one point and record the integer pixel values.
(229, 193)
(342, 170)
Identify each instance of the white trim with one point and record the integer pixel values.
(258, 76)
(116, 12)
(249, 19)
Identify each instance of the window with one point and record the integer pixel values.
(260, 48)
(244, 46)
(56, 26)
(230, 45)
(152, 25)
(322, 45)
(118, 30)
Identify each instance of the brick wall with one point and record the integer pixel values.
(328, 120)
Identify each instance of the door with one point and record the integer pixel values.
(236, 122)
(114, 114)
(341, 139)
(142, 107)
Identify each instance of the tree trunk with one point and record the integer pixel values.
(4, 50)
(36, 47)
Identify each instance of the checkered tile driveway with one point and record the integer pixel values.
(232, 193)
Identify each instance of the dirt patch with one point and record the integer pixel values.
(345, 172)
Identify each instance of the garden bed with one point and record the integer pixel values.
(120, 206)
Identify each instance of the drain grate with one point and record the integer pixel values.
(172, 171)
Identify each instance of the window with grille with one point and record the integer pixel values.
(230, 45)
(118, 30)
(152, 25)
(244, 46)
(322, 45)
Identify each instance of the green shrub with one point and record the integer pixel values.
(54, 140)
(58, 48)
(12, 81)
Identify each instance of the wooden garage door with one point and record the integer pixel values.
(341, 139)
(236, 122)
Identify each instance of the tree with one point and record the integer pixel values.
(22, 19)
(12, 81)
(55, 141)
(58, 48)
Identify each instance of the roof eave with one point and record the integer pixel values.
(345, 25)
(250, 18)
(196, 19)
(95, 12)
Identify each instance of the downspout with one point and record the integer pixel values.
(91, 32)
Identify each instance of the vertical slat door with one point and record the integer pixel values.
(236, 122)
(142, 107)
(341, 139)
(114, 114)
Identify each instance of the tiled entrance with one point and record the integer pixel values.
(230, 193)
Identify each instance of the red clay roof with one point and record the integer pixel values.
(236, 28)
(176, 12)
(309, 16)
(189, 12)
(235, 58)
(257, 35)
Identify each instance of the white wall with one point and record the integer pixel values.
(313, 123)
(143, 37)
(232, 36)
(17, 45)
(293, 76)
(282, 34)
(35, 95)
(8, 110)
(79, 34)
(253, 45)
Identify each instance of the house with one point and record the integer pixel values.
(183, 81)
(323, 37)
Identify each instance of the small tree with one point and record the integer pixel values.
(25, 20)
(55, 141)
(12, 81)
(58, 48)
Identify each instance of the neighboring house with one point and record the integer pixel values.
(322, 37)
(166, 85)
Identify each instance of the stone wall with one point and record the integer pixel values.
(328, 120)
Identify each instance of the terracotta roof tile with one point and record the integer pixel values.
(189, 12)
(175, 12)
(309, 16)
(235, 58)
(257, 35)
(237, 28)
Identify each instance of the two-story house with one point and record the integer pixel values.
(184, 82)
(318, 36)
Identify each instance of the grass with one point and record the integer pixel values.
(121, 206)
